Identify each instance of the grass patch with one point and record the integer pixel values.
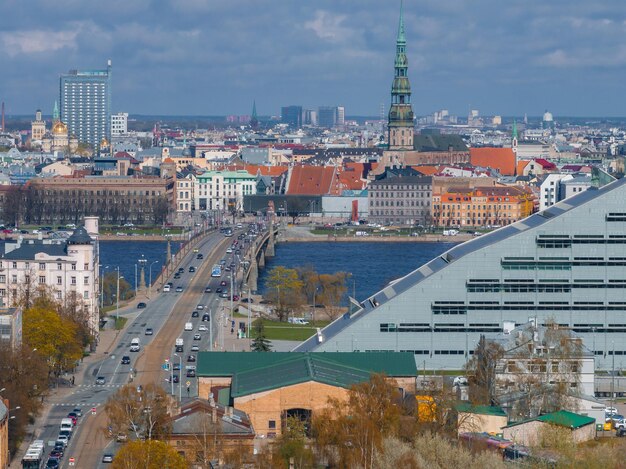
(120, 322)
(275, 330)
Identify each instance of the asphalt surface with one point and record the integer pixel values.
(166, 313)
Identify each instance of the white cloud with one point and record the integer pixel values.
(37, 41)
(327, 26)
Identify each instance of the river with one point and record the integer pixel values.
(372, 264)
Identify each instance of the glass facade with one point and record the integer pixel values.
(86, 104)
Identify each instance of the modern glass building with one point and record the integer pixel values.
(566, 263)
(86, 104)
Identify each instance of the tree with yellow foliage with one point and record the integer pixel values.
(149, 454)
(53, 337)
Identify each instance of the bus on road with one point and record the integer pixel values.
(33, 459)
(216, 271)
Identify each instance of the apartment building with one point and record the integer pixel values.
(401, 200)
(223, 190)
(482, 206)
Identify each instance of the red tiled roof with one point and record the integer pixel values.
(254, 169)
(545, 163)
(427, 170)
(502, 159)
(314, 180)
(520, 166)
(351, 180)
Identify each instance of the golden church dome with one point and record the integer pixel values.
(59, 128)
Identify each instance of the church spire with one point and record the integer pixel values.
(400, 125)
(254, 121)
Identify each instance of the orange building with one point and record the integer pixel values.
(482, 206)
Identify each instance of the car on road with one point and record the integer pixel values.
(64, 439)
(224, 294)
(56, 453)
(189, 326)
(219, 290)
(197, 337)
(181, 270)
(191, 358)
(195, 249)
(229, 251)
(208, 290)
(195, 348)
(107, 458)
(125, 360)
(199, 257)
(141, 305)
(149, 331)
(176, 277)
(73, 415)
(223, 262)
(176, 379)
(66, 433)
(200, 307)
(176, 366)
(78, 411)
(223, 283)
(235, 297)
(191, 373)
(192, 269)
(206, 317)
(195, 314)
(59, 446)
(179, 289)
(202, 328)
(53, 463)
(227, 269)
(100, 380)
(166, 288)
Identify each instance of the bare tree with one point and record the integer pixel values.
(140, 409)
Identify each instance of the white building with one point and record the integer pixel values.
(223, 190)
(550, 189)
(185, 193)
(69, 268)
(119, 124)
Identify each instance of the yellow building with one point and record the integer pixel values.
(37, 127)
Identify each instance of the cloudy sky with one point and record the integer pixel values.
(213, 57)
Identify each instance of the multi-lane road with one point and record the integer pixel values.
(166, 314)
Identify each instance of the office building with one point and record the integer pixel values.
(341, 116)
(565, 264)
(119, 124)
(310, 117)
(223, 190)
(86, 104)
(327, 117)
(291, 115)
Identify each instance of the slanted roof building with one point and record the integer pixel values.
(565, 263)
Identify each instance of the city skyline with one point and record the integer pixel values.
(204, 58)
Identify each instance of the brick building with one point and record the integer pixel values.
(270, 387)
(482, 206)
(114, 199)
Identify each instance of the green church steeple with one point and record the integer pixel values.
(400, 125)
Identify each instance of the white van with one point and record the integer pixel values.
(188, 326)
(134, 345)
(66, 424)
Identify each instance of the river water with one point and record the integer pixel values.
(372, 264)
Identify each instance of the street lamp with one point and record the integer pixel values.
(104, 268)
(117, 296)
(180, 378)
(150, 276)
